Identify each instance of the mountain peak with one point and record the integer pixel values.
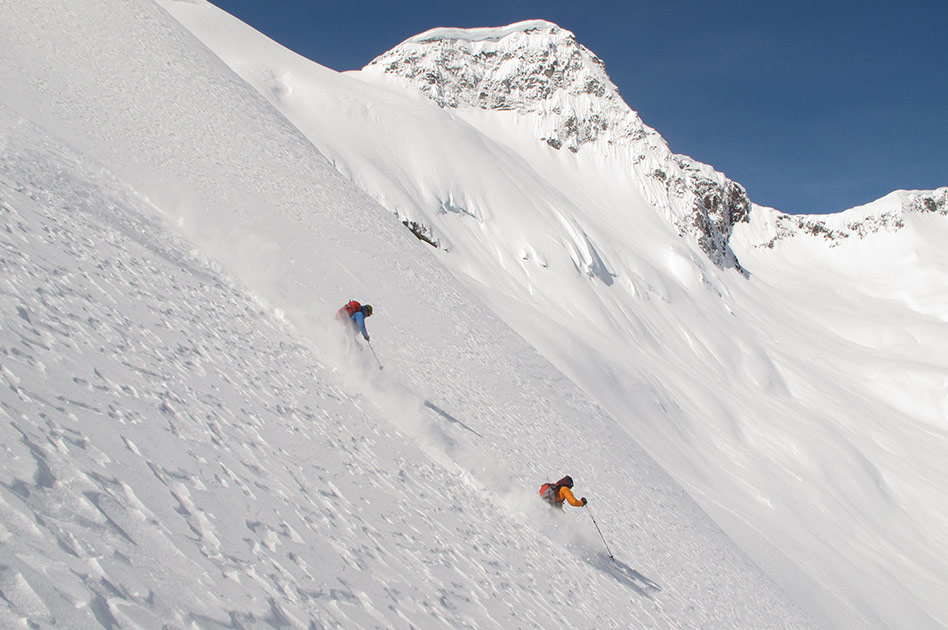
(531, 66)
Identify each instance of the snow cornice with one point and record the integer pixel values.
(485, 34)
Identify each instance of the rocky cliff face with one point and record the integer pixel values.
(538, 69)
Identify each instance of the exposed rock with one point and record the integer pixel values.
(422, 233)
(889, 219)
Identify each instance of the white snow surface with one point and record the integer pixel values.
(189, 442)
(481, 34)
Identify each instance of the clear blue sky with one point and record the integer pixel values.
(813, 106)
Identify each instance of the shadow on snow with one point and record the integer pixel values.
(444, 414)
(626, 575)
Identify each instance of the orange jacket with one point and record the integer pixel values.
(565, 494)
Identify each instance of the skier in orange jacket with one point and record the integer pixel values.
(557, 493)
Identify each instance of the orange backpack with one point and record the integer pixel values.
(548, 492)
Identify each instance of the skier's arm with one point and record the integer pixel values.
(359, 318)
(567, 494)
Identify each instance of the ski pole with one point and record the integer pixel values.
(611, 557)
(373, 353)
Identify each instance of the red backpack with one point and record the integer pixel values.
(352, 308)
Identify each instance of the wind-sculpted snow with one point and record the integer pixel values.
(189, 440)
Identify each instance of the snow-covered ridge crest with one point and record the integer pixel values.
(887, 214)
(478, 34)
(538, 69)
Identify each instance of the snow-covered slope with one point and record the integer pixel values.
(798, 396)
(187, 444)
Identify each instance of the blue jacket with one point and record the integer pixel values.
(358, 320)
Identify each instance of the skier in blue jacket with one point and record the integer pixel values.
(355, 313)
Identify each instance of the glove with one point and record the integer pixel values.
(583, 500)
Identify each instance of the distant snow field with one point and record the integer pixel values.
(753, 403)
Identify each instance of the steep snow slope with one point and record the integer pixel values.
(187, 444)
(801, 402)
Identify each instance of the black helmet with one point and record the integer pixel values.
(368, 310)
